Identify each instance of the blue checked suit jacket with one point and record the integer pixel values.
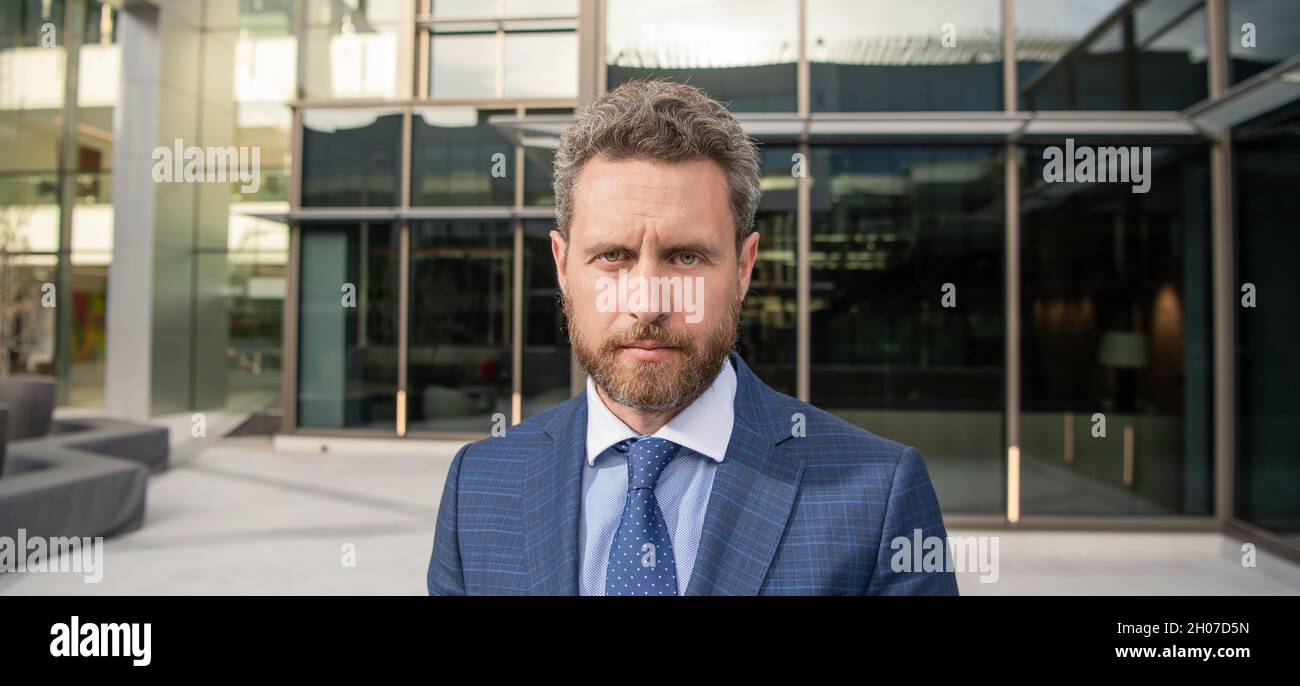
(788, 515)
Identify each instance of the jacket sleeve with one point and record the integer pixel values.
(445, 575)
(912, 515)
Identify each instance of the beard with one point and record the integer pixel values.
(650, 386)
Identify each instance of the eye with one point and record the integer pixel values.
(688, 259)
(610, 256)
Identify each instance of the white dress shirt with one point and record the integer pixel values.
(703, 430)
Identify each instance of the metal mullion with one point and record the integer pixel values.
(300, 31)
(289, 329)
(404, 184)
(406, 46)
(803, 221)
(295, 161)
(403, 323)
(517, 291)
(398, 103)
(1223, 260)
(291, 306)
(517, 325)
(423, 67)
(1011, 270)
(500, 72)
(69, 166)
(404, 271)
(428, 20)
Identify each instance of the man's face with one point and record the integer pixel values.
(642, 223)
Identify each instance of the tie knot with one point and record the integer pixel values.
(646, 459)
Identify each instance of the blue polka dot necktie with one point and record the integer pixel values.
(641, 559)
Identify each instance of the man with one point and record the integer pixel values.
(677, 471)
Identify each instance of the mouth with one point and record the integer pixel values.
(647, 351)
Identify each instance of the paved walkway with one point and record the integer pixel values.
(240, 518)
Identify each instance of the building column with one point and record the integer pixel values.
(159, 309)
(130, 283)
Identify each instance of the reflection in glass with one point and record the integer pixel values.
(742, 52)
(27, 329)
(461, 9)
(767, 323)
(892, 226)
(347, 328)
(895, 55)
(539, 158)
(83, 375)
(541, 7)
(1116, 329)
(351, 158)
(541, 64)
(31, 101)
(463, 65)
(255, 16)
(1082, 55)
(245, 298)
(528, 59)
(350, 52)
(538, 166)
(29, 211)
(459, 358)
(459, 159)
(546, 341)
(22, 21)
(1275, 29)
(1267, 158)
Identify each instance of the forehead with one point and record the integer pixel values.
(684, 199)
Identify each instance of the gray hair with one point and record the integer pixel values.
(660, 121)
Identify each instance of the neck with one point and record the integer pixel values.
(640, 421)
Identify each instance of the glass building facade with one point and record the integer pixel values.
(1064, 353)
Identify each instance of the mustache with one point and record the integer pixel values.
(645, 331)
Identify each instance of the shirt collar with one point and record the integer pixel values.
(704, 426)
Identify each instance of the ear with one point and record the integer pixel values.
(748, 255)
(559, 250)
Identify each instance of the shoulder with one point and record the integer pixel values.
(822, 437)
(522, 439)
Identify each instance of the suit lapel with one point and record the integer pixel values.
(753, 493)
(552, 486)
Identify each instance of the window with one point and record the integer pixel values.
(477, 51)
(895, 55)
(460, 159)
(347, 319)
(1116, 341)
(1085, 55)
(1267, 159)
(896, 230)
(459, 366)
(350, 49)
(351, 158)
(742, 52)
(767, 322)
(546, 353)
(1261, 33)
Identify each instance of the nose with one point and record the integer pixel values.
(643, 299)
